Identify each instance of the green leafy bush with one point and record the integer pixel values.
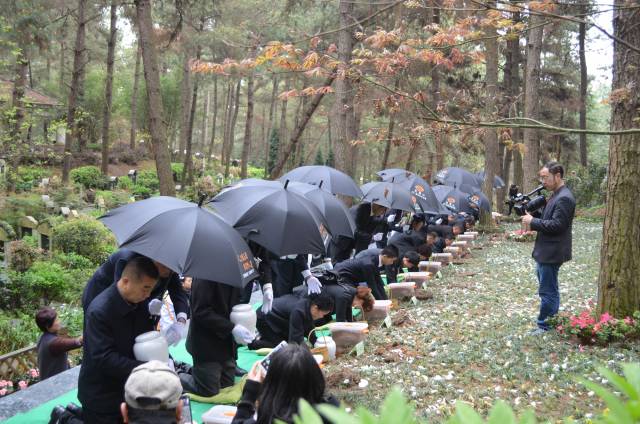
(586, 185)
(17, 330)
(46, 280)
(125, 183)
(113, 199)
(88, 177)
(22, 255)
(16, 207)
(28, 177)
(177, 168)
(149, 180)
(141, 192)
(72, 260)
(84, 236)
(255, 172)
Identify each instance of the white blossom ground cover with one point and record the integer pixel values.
(470, 341)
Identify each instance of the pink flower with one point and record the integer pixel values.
(581, 348)
(596, 328)
(33, 373)
(3, 392)
(628, 321)
(9, 383)
(3, 384)
(22, 384)
(605, 317)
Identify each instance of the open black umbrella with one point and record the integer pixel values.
(281, 220)
(423, 196)
(389, 195)
(395, 175)
(452, 198)
(189, 239)
(478, 198)
(497, 181)
(459, 178)
(339, 220)
(325, 177)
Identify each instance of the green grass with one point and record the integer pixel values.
(470, 342)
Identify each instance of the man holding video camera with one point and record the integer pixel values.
(553, 242)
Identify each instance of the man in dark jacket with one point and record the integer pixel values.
(365, 268)
(406, 241)
(212, 338)
(553, 241)
(110, 271)
(291, 319)
(113, 321)
(369, 219)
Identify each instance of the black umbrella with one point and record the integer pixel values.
(459, 178)
(423, 196)
(395, 175)
(325, 177)
(497, 181)
(339, 220)
(389, 195)
(281, 220)
(478, 198)
(185, 237)
(452, 198)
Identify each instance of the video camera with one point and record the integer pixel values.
(523, 203)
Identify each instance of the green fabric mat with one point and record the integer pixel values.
(41, 414)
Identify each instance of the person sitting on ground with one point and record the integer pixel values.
(52, 348)
(365, 268)
(291, 319)
(274, 395)
(345, 298)
(152, 395)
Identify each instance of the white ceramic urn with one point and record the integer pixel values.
(327, 341)
(244, 315)
(151, 345)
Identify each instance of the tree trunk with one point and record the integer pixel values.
(74, 93)
(215, 118)
(272, 112)
(227, 122)
(283, 118)
(619, 287)
(134, 100)
(205, 122)
(185, 101)
(232, 128)
(154, 97)
(491, 150)
(583, 92)
(187, 170)
(531, 141)
(16, 146)
(108, 91)
(246, 144)
(387, 147)
(297, 132)
(343, 106)
(62, 63)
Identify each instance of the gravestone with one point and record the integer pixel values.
(65, 211)
(28, 225)
(5, 237)
(45, 230)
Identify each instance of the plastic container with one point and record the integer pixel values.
(430, 266)
(400, 290)
(460, 244)
(380, 310)
(466, 237)
(219, 414)
(151, 345)
(347, 334)
(243, 314)
(444, 258)
(455, 251)
(416, 277)
(319, 359)
(471, 233)
(327, 342)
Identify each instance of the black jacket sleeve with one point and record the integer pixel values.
(204, 313)
(297, 326)
(247, 404)
(178, 294)
(560, 218)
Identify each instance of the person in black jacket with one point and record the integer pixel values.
(112, 322)
(553, 241)
(293, 375)
(405, 242)
(291, 319)
(369, 219)
(212, 338)
(365, 268)
(110, 271)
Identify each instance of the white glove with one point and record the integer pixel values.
(175, 332)
(391, 218)
(377, 237)
(267, 298)
(242, 335)
(439, 221)
(155, 306)
(313, 285)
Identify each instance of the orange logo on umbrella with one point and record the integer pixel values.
(451, 200)
(419, 188)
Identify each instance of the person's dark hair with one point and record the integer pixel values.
(424, 250)
(555, 168)
(323, 301)
(45, 318)
(417, 218)
(367, 302)
(140, 267)
(433, 234)
(412, 257)
(293, 375)
(448, 236)
(460, 226)
(390, 251)
(159, 416)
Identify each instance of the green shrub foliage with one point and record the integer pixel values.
(84, 236)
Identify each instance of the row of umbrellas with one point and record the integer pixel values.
(291, 216)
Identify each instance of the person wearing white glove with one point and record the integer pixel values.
(391, 218)
(242, 335)
(377, 237)
(267, 298)
(155, 307)
(175, 332)
(313, 284)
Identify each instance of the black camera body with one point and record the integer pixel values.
(523, 203)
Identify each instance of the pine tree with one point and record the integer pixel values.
(330, 159)
(319, 158)
(274, 148)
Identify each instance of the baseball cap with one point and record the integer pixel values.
(152, 386)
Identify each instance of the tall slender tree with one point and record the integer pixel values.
(108, 86)
(134, 100)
